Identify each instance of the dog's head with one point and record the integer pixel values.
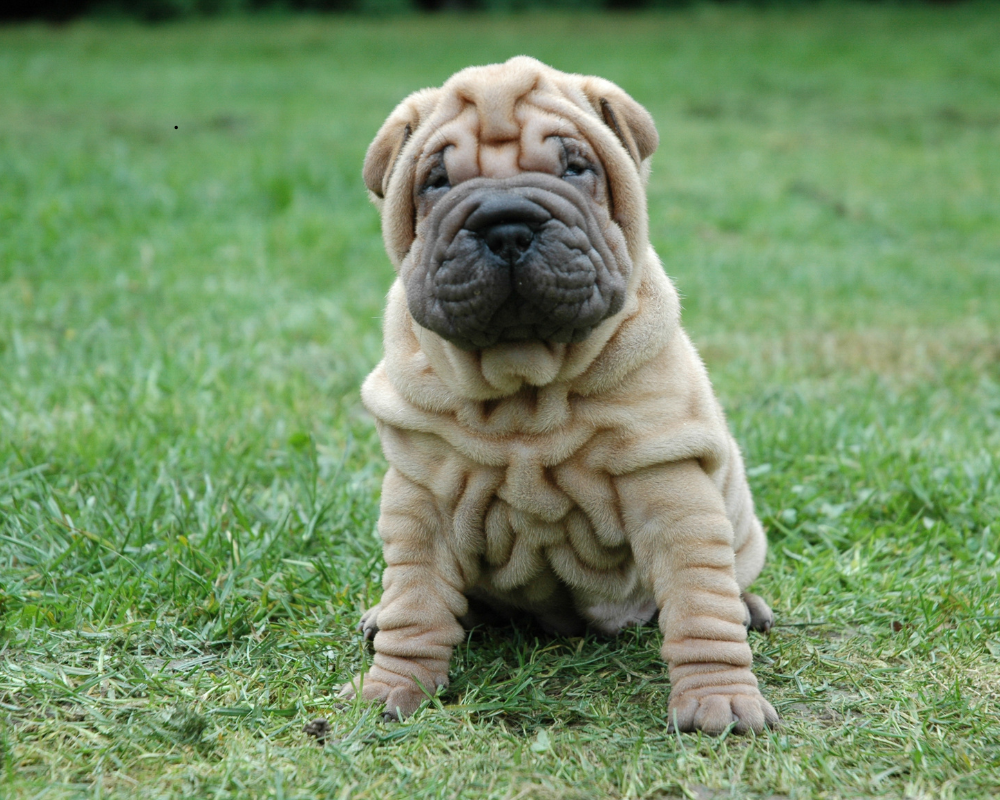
(512, 202)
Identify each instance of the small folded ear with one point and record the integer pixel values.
(391, 138)
(382, 154)
(631, 123)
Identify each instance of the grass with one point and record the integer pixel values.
(189, 487)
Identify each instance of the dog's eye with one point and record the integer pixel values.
(577, 166)
(439, 181)
(574, 159)
(437, 178)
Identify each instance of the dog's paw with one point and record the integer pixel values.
(369, 622)
(400, 695)
(759, 614)
(712, 709)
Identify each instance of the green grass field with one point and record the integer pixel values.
(191, 281)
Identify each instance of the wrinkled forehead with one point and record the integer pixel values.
(489, 125)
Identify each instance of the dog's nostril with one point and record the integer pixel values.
(508, 240)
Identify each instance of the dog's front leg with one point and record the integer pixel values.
(422, 598)
(683, 544)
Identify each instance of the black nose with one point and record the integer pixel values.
(507, 224)
(508, 240)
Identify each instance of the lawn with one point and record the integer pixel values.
(191, 282)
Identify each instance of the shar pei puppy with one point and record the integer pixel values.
(553, 440)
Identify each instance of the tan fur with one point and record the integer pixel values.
(589, 482)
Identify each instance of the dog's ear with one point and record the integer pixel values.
(631, 123)
(391, 139)
(382, 154)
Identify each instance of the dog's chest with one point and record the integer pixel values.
(538, 519)
(524, 502)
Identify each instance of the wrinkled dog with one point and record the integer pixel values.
(554, 444)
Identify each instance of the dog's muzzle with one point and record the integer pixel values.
(513, 259)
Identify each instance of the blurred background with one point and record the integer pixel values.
(157, 10)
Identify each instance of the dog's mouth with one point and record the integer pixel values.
(512, 259)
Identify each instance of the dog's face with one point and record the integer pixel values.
(518, 257)
(501, 204)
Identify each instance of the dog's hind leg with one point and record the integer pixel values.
(759, 614)
(368, 625)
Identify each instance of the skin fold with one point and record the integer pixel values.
(554, 443)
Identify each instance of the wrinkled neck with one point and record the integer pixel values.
(618, 345)
(505, 369)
